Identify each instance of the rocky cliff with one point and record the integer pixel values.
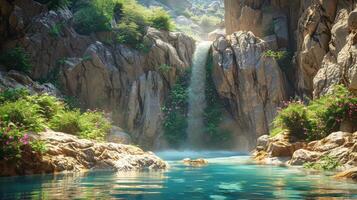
(320, 34)
(317, 38)
(250, 82)
(102, 74)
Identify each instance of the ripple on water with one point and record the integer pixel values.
(227, 178)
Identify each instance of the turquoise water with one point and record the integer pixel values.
(230, 176)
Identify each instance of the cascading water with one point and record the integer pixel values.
(196, 96)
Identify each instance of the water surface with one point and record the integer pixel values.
(228, 176)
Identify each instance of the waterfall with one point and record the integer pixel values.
(196, 96)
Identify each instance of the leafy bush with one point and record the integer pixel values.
(294, 119)
(22, 113)
(128, 33)
(66, 122)
(326, 163)
(318, 119)
(93, 125)
(161, 20)
(89, 125)
(175, 110)
(11, 141)
(275, 54)
(11, 95)
(327, 113)
(89, 20)
(133, 24)
(283, 58)
(16, 59)
(49, 105)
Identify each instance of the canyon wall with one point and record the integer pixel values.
(319, 36)
(319, 33)
(129, 84)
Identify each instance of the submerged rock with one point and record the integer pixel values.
(68, 153)
(196, 163)
(349, 174)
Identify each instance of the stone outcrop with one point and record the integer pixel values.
(251, 83)
(127, 82)
(341, 146)
(14, 79)
(67, 153)
(263, 18)
(322, 33)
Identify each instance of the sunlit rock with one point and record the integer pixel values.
(196, 163)
(68, 153)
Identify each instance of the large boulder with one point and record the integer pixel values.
(67, 153)
(303, 156)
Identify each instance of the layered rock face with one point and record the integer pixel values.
(251, 83)
(67, 153)
(320, 32)
(263, 18)
(102, 74)
(321, 36)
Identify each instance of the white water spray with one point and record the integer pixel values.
(196, 96)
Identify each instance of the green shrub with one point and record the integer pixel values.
(94, 126)
(11, 141)
(66, 122)
(275, 54)
(89, 20)
(327, 113)
(20, 113)
(128, 33)
(11, 95)
(294, 119)
(175, 126)
(133, 24)
(24, 114)
(55, 4)
(89, 125)
(16, 59)
(49, 105)
(161, 20)
(326, 163)
(318, 119)
(175, 110)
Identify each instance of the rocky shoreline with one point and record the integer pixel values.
(280, 150)
(68, 153)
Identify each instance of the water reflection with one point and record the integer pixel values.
(229, 178)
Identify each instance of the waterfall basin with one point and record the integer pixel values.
(228, 175)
